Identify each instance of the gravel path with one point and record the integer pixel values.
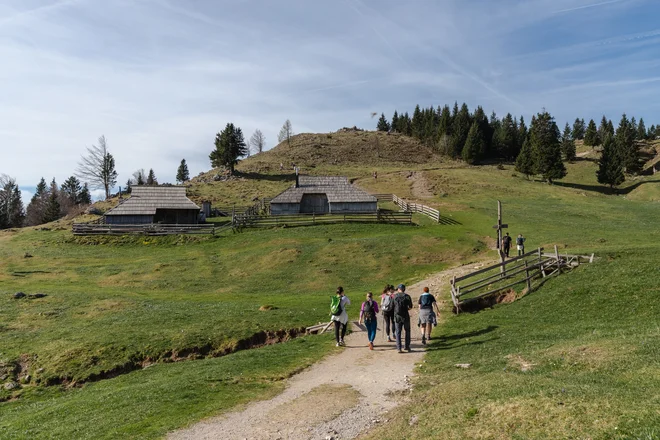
(379, 380)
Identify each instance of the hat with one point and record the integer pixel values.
(402, 287)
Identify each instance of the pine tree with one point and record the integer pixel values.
(602, 128)
(610, 128)
(70, 191)
(417, 123)
(37, 206)
(568, 144)
(85, 198)
(444, 123)
(522, 133)
(525, 160)
(475, 145)
(394, 126)
(229, 146)
(12, 214)
(633, 126)
(626, 146)
(460, 130)
(383, 125)
(406, 125)
(182, 174)
(53, 208)
(591, 135)
(578, 129)
(641, 130)
(544, 140)
(507, 138)
(610, 165)
(151, 178)
(651, 133)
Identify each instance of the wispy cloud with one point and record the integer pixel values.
(593, 5)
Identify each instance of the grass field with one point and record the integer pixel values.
(588, 340)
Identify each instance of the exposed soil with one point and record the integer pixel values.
(358, 384)
(421, 189)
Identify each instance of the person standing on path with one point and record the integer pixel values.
(506, 244)
(339, 315)
(426, 315)
(520, 244)
(402, 305)
(387, 306)
(368, 313)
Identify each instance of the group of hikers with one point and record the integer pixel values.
(395, 306)
(506, 244)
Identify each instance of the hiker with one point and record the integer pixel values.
(402, 305)
(520, 244)
(375, 174)
(339, 315)
(387, 305)
(427, 318)
(368, 313)
(506, 244)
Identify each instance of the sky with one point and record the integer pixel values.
(159, 78)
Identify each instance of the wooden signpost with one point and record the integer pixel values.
(500, 226)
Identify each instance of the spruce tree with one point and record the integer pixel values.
(12, 214)
(602, 128)
(395, 122)
(522, 133)
(633, 126)
(507, 138)
(70, 191)
(475, 145)
(53, 207)
(151, 178)
(444, 122)
(651, 133)
(417, 123)
(591, 135)
(85, 198)
(544, 140)
(641, 130)
(578, 129)
(182, 174)
(383, 125)
(568, 144)
(626, 146)
(610, 128)
(229, 146)
(610, 165)
(460, 130)
(37, 206)
(525, 160)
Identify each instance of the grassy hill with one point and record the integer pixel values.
(119, 304)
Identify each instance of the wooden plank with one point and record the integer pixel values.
(495, 266)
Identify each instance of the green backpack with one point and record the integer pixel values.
(335, 305)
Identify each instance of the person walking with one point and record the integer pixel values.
(427, 316)
(368, 313)
(520, 244)
(339, 314)
(387, 306)
(506, 244)
(402, 305)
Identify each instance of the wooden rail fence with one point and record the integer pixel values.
(432, 213)
(266, 221)
(149, 229)
(515, 271)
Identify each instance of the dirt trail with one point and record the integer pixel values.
(420, 186)
(340, 397)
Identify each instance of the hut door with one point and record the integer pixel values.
(314, 203)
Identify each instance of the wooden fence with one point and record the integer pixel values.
(432, 213)
(266, 221)
(149, 229)
(522, 270)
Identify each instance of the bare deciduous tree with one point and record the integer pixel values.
(97, 168)
(285, 133)
(258, 141)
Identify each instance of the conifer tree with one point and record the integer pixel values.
(383, 125)
(651, 133)
(602, 128)
(633, 127)
(544, 140)
(151, 178)
(610, 128)
(578, 129)
(525, 160)
(641, 130)
(460, 129)
(37, 206)
(12, 214)
(97, 168)
(507, 138)
(626, 146)
(417, 123)
(610, 165)
(53, 207)
(444, 121)
(522, 133)
(230, 145)
(568, 144)
(182, 174)
(394, 126)
(85, 198)
(591, 135)
(475, 145)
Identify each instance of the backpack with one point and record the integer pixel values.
(388, 304)
(400, 305)
(335, 305)
(368, 310)
(426, 300)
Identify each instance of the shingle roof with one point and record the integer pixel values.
(337, 189)
(145, 200)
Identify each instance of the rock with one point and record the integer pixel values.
(27, 255)
(40, 370)
(463, 365)
(37, 295)
(10, 385)
(19, 295)
(413, 420)
(93, 210)
(26, 379)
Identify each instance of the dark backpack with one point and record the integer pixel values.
(388, 304)
(368, 310)
(426, 300)
(400, 305)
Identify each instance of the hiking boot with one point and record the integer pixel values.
(423, 340)
(389, 339)
(400, 351)
(341, 342)
(338, 344)
(408, 349)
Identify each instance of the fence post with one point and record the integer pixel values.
(529, 282)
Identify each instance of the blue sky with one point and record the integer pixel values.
(159, 78)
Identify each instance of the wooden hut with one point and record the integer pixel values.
(155, 204)
(323, 195)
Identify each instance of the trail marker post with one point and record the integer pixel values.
(500, 226)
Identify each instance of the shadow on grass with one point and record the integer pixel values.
(448, 221)
(291, 177)
(448, 342)
(605, 189)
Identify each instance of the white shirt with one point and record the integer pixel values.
(343, 316)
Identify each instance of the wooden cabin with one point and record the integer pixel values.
(155, 204)
(323, 195)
